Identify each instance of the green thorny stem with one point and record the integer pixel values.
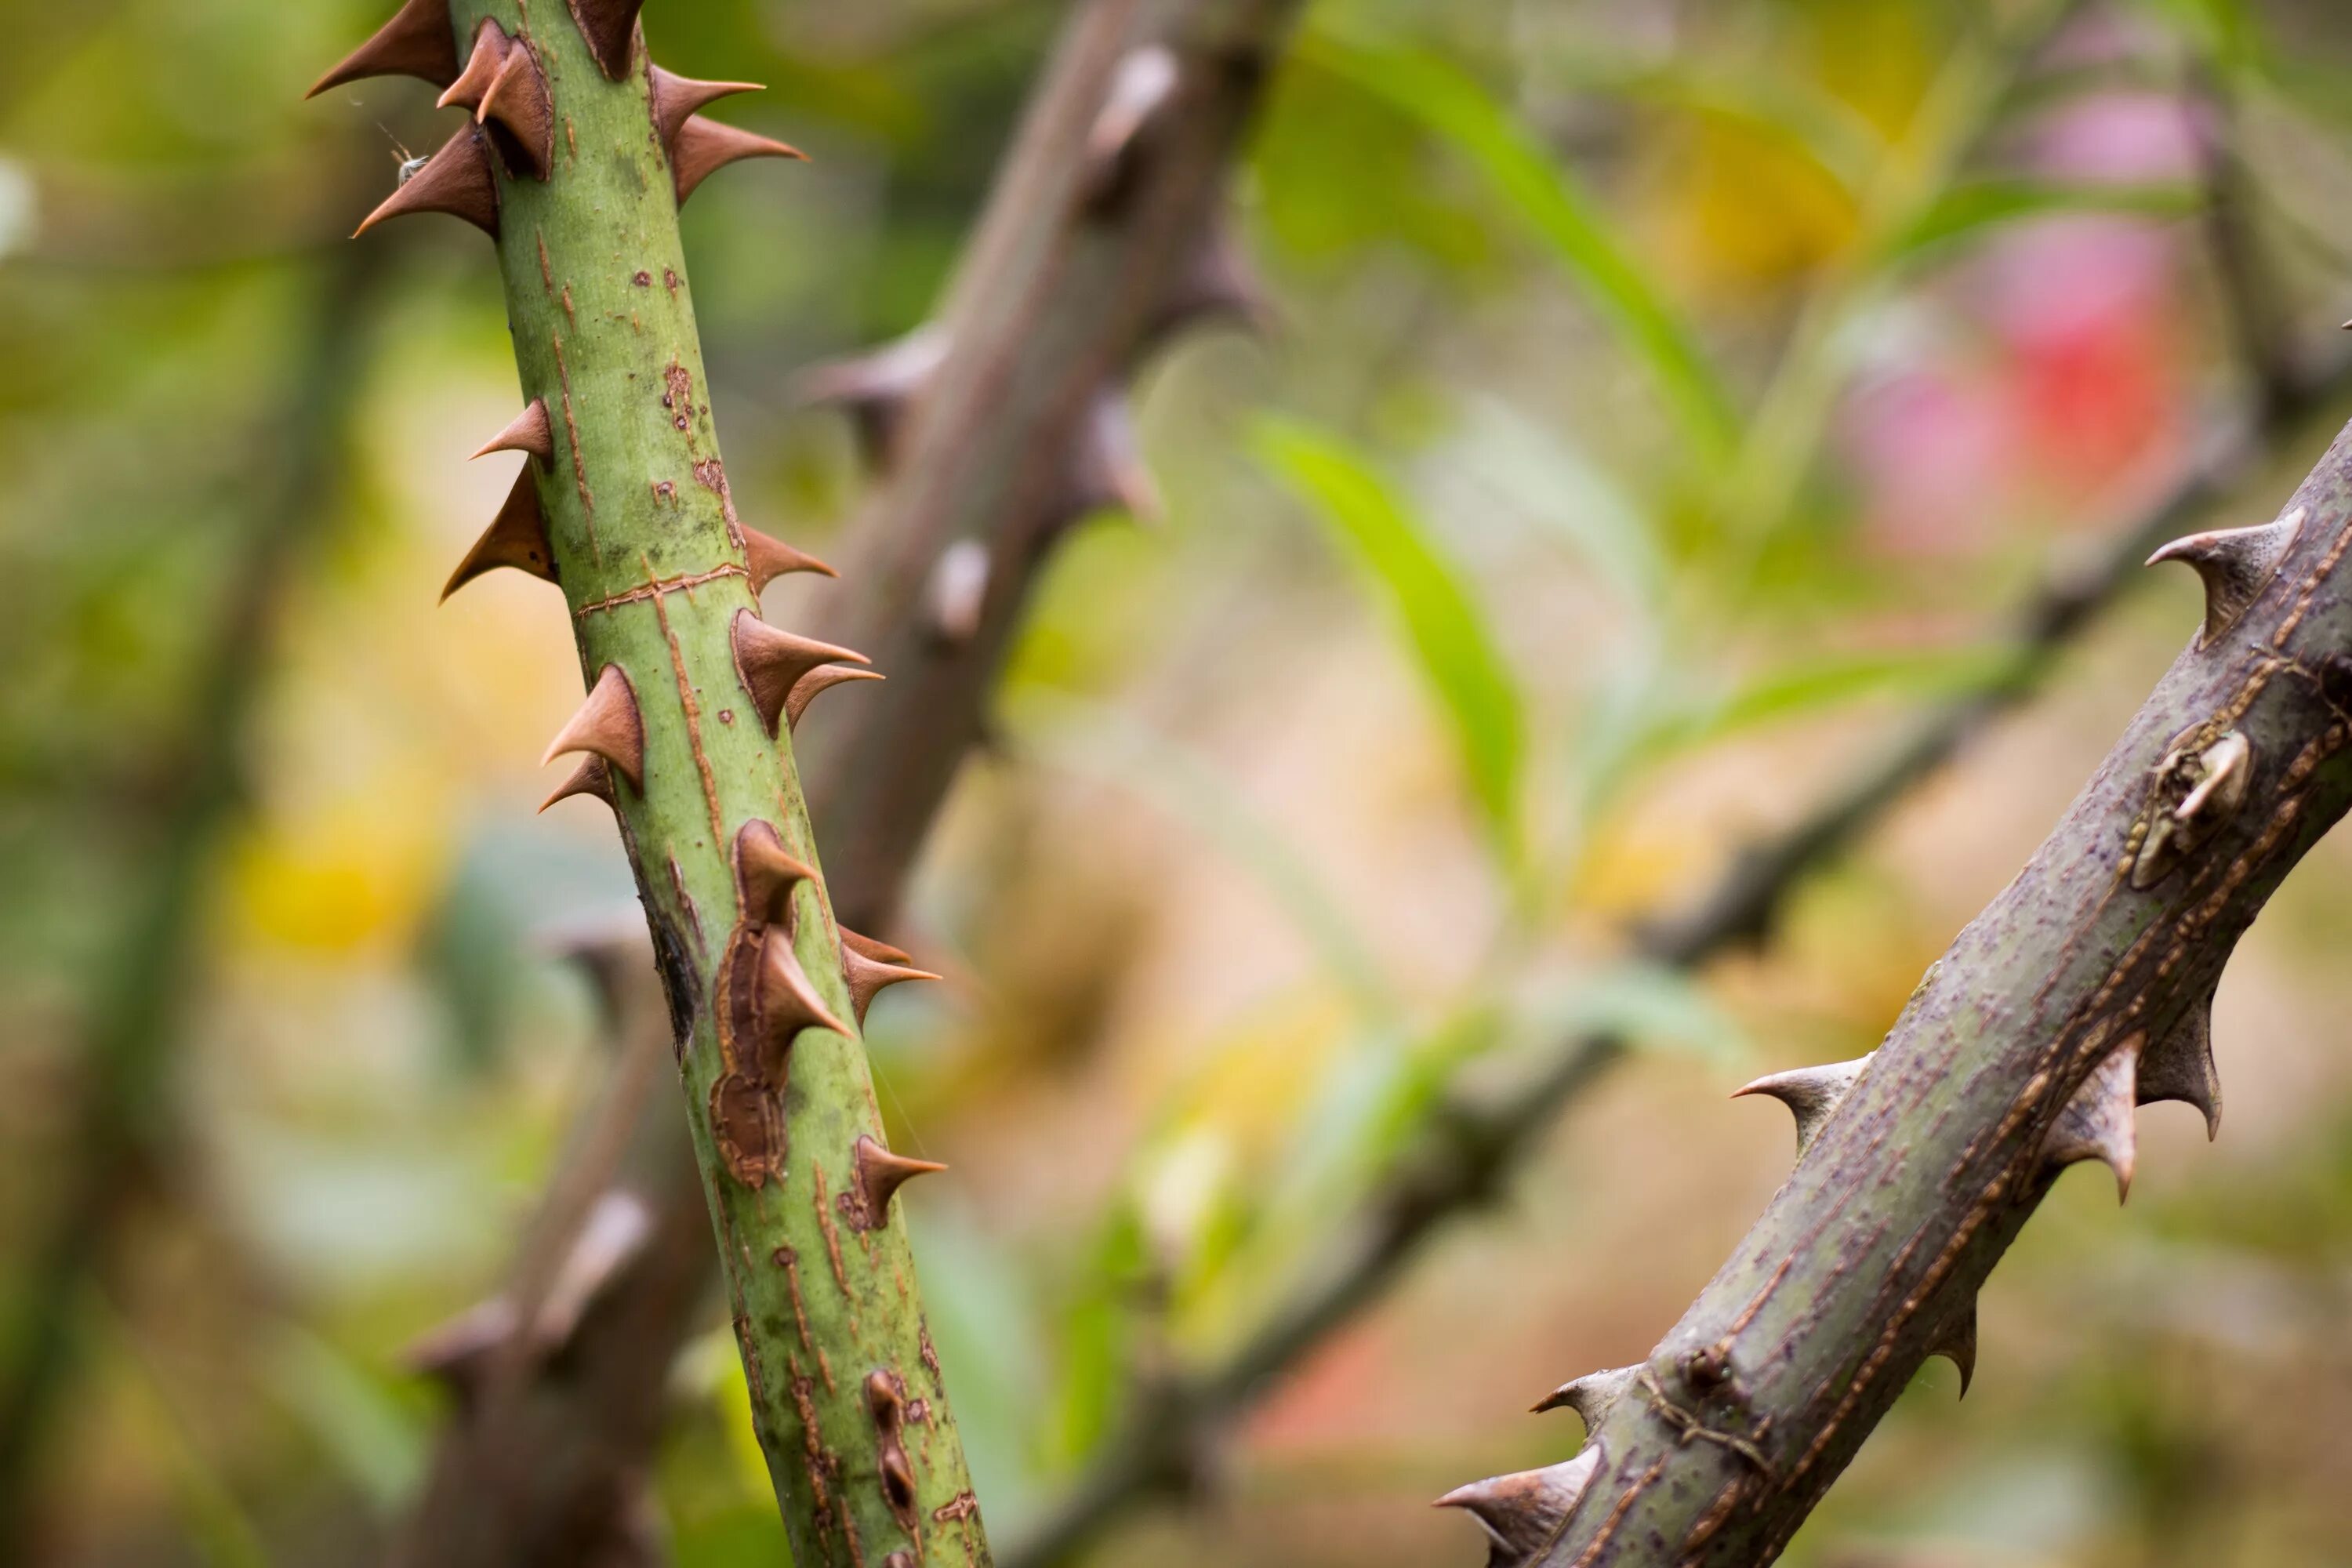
(2085, 990)
(575, 161)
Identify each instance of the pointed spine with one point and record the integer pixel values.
(1141, 89)
(814, 684)
(876, 389)
(789, 1001)
(771, 661)
(611, 28)
(420, 41)
(456, 180)
(1522, 1513)
(870, 977)
(880, 1174)
(678, 99)
(1108, 472)
(2236, 564)
(1811, 1094)
(517, 538)
(1592, 1395)
(770, 559)
(870, 947)
(766, 873)
(1958, 1344)
(608, 725)
(704, 146)
(592, 778)
(533, 432)
(2098, 1123)
(2179, 1066)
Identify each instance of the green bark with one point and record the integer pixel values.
(846, 1393)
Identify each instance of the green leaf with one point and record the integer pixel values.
(1454, 106)
(1967, 212)
(1448, 634)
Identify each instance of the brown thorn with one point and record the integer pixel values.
(518, 102)
(592, 778)
(2097, 1124)
(880, 951)
(456, 180)
(816, 682)
(870, 977)
(787, 1000)
(1523, 1514)
(420, 41)
(771, 662)
(772, 558)
(516, 538)
(532, 432)
(2179, 1066)
(614, 1234)
(611, 28)
(765, 872)
(1590, 1396)
(457, 1354)
(1811, 1094)
(1958, 1345)
(490, 45)
(880, 1174)
(1107, 471)
(876, 389)
(608, 725)
(704, 146)
(677, 99)
(2236, 563)
(1141, 86)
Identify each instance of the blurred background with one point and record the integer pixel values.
(1662, 409)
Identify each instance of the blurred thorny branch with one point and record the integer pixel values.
(134, 1019)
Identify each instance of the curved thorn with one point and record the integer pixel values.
(876, 389)
(611, 28)
(2236, 564)
(1811, 1094)
(614, 1234)
(420, 41)
(815, 683)
(1590, 1395)
(593, 778)
(1522, 1513)
(704, 146)
(771, 662)
(788, 1001)
(1958, 1345)
(870, 947)
(2179, 1066)
(1140, 88)
(772, 558)
(456, 180)
(880, 1174)
(481, 71)
(518, 104)
(1107, 471)
(678, 99)
(766, 872)
(516, 538)
(608, 725)
(870, 977)
(2097, 1124)
(532, 432)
